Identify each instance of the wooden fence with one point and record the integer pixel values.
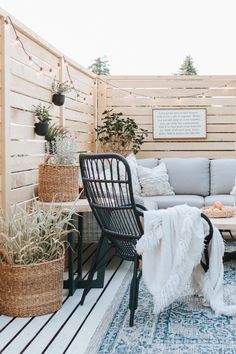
(22, 86)
(215, 93)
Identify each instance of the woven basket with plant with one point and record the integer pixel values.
(32, 261)
(59, 175)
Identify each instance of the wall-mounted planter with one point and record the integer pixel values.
(58, 100)
(41, 128)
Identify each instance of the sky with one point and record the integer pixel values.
(150, 37)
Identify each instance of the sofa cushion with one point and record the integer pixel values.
(154, 181)
(225, 199)
(223, 173)
(150, 163)
(166, 201)
(188, 175)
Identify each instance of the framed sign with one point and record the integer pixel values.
(182, 123)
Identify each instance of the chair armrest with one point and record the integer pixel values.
(142, 207)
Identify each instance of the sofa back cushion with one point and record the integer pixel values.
(188, 175)
(150, 162)
(223, 173)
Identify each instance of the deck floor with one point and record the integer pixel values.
(70, 329)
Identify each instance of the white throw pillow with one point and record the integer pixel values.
(154, 181)
(131, 159)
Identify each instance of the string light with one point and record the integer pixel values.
(40, 72)
(9, 24)
(17, 41)
(30, 61)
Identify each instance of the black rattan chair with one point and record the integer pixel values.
(108, 187)
(107, 183)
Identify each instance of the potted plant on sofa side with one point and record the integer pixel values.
(59, 89)
(42, 114)
(32, 261)
(54, 132)
(59, 175)
(119, 134)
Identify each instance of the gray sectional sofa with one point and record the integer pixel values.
(197, 182)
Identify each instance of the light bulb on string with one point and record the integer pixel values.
(7, 24)
(130, 94)
(58, 66)
(39, 73)
(31, 61)
(50, 72)
(17, 41)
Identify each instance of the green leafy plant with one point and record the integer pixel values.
(119, 134)
(55, 131)
(41, 113)
(34, 237)
(60, 88)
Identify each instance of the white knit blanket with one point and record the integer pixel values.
(171, 248)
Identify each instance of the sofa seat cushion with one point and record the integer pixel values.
(225, 199)
(189, 175)
(166, 201)
(223, 173)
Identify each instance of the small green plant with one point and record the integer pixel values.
(34, 237)
(41, 113)
(55, 131)
(119, 134)
(60, 88)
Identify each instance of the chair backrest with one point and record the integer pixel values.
(108, 188)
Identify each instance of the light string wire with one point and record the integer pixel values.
(132, 93)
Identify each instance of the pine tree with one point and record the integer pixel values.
(100, 66)
(187, 68)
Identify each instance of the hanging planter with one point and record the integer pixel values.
(42, 114)
(58, 90)
(58, 99)
(41, 128)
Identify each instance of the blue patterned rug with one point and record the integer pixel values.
(185, 327)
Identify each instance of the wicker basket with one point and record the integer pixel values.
(225, 212)
(31, 290)
(58, 183)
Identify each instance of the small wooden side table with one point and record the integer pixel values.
(72, 283)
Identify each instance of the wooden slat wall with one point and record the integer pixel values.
(215, 93)
(27, 88)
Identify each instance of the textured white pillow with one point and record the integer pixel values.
(131, 159)
(154, 181)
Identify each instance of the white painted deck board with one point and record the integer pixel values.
(58, 331)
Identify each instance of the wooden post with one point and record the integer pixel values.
(5, 131)
(95, 104)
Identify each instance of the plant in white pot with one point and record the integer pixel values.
(59, 175)
(59, 89)
(32, 261)
(42, 114)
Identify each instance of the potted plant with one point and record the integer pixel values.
(42, 114)
(59, 175)
(54, 131)
(119, 134)
(32, 261)
(58, 90)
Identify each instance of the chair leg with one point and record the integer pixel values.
(92, 270)
(133, 300)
